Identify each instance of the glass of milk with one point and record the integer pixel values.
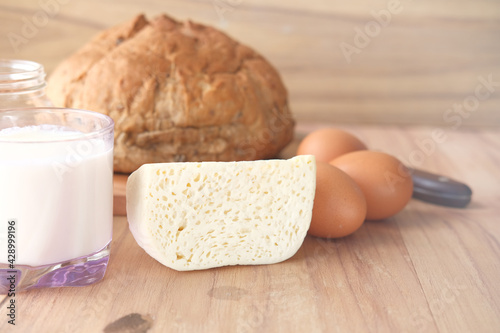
(56, 197)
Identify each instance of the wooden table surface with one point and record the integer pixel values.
(427, 269)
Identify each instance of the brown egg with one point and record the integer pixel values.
(339, 205)
(329, 143)
(384, 180)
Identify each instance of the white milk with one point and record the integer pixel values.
(59, 192)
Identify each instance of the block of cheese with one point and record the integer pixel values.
(191, 216)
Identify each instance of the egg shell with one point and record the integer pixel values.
(384, 180)
(339, 205)
(329, 143)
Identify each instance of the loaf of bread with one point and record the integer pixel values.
(177, 91)
(191, 216)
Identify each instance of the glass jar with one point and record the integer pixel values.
(56, 197)
(22, 84)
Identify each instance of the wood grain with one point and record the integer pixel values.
(427, 269)
(427, 58)
(119, 194)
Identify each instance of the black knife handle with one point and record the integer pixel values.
(440, 190)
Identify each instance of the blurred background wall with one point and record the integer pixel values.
(360, 61)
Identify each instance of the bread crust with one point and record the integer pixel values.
(177, 91)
